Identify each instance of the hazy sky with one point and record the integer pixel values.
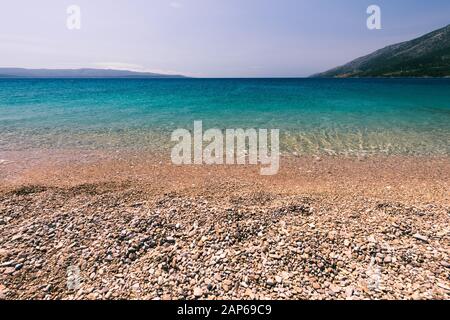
(208, 38)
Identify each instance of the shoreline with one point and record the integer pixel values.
(407, 178)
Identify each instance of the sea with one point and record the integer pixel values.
(314, 116)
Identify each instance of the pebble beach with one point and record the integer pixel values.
(136, 227)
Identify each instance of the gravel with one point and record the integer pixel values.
(122, 243)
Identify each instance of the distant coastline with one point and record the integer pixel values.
(84, 73)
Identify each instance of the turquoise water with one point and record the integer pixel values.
(334, 116)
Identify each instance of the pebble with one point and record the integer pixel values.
(170, 240)
(420, 237)
(334, 288)
(9, 270)
(270, 282)
(3, 253)
(349, 292)
(7, 264)
(198, 292)
(3, 291)
(249, 293)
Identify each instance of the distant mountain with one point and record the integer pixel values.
(78, 73)
(427, 56)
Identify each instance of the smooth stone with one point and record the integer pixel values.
(198, 292)
(420, 237)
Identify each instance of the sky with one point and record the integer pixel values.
(208, 38)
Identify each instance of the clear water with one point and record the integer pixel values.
(335, 116)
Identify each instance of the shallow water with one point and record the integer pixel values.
(333, 116)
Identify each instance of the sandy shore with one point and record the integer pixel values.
(135, 226)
